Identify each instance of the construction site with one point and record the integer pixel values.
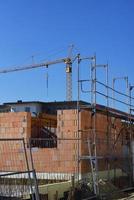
(69, 150)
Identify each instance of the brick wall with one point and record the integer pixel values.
(63, 158)
(15, 125)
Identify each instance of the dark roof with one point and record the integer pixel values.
(114, 112)
(23, 102)
(47, 103)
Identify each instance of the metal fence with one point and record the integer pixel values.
(55, 163)
(57, 160)
(17, 176)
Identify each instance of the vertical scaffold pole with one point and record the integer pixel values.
(78, 109)
(108, 123)
(93, 105)
(130, 135)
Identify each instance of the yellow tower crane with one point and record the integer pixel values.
(67, 61)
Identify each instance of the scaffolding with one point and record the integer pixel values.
(112, 161)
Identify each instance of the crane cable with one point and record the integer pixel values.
(47, 81)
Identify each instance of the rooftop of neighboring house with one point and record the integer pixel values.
(52, 107)
(56, 103)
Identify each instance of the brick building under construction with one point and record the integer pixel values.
(61, 140)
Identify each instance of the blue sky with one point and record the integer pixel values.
(45, 28)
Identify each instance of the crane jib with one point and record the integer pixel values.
(67, 61)
(32, 66)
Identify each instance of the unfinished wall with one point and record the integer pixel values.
(15, 125)
(109, 140)
(62, 159)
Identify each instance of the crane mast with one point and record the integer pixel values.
(69, 80)
(69, 74)
(68, 63)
